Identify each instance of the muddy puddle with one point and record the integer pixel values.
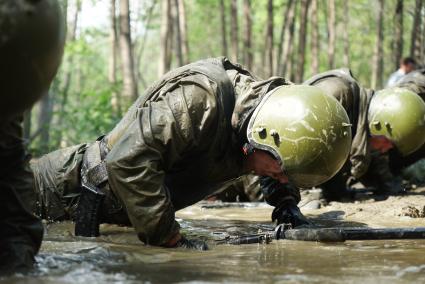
(118, 257)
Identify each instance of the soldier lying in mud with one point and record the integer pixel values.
(391, 119)
(386, 124)
(198, 126)
(415, 82)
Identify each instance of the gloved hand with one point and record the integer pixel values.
(192, 244)
(289, 213)
(16, 258)
(275, 192)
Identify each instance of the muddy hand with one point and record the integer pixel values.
(192, 244)
(289, 213)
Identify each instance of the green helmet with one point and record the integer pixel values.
(31, 47)
(307, 130)
(399, 115)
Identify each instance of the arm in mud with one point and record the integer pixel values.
(163, 131)
(284, 197)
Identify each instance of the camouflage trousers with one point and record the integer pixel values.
(57, 185)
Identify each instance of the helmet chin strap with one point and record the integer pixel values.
(248, 149)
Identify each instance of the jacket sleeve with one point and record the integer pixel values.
(360, 148)
(163, 131)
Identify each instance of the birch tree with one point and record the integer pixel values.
(164, 52)
(398, 34)
(234, 30)
(331, 33)
(302, 40)
(248, 54)
(129, 91)
(223, 29)
(315, 40)
(378, 56)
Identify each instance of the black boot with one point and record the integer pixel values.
(338, 194)
(16, 258)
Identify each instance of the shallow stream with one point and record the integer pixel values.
(118, 257)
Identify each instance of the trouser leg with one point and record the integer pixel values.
(20, 231)
(335, 189)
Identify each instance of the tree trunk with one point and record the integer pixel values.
(177, 30)
(302, 40)
(248, 55)
(284, 31)
(415, 47)
(112, 74)
(315, 40)
(141, 49)
(164, 61)
(183, 31)
(288, 45)
(269, 38)
(346, 54)
(378, 58)
(398, 41)
(113, 44)
(223, 29)
(234, 30)
(71, 37)
(331, 33)
(44, 120)
(423, 42)
(129, 92)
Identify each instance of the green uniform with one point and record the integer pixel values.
(244, 189)
(415, 82)
(247, 188)
(355, 100)
(31, 46)
(175, 146)
(365, 165)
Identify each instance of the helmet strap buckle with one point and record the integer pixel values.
(248, 149)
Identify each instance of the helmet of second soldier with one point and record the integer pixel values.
(399, 115)
(31, 47)
(307, 130)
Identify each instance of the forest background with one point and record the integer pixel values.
(107, 65)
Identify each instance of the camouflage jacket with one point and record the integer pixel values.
(415, 82)
(176, 145)
(341, 84)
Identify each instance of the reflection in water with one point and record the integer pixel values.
(117, 256)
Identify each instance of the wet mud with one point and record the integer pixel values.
(117, 256)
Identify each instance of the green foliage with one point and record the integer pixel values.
(88, 117)
(82, 94)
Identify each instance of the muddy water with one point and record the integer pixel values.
(118, 257)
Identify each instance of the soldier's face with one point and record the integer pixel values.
(407, 68)
(263, 164)
(381, 144)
